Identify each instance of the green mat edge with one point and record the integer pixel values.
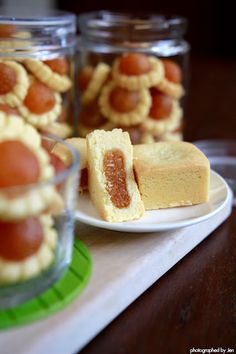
(29, 316)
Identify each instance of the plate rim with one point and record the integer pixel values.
(145, 227)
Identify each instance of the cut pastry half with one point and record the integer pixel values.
(112, 186)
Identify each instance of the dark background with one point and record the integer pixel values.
(210, 110)
(211, 28)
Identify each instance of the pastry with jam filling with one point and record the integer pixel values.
(122, 106)
(14, 83)
(112, 185)
(135, 71)
(27, 248)
(24, 163)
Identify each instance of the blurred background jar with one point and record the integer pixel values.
(132, 73)
(37, 67)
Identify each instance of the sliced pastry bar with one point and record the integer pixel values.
(27, 248)
(171, 174)
(112, 186)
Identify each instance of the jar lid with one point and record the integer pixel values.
(222, 157)
(24, 33)
(117, 26)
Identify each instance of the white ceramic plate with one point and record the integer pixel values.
(163, 219)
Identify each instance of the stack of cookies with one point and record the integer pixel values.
(28, 237)
(34, 89)
(138, 93)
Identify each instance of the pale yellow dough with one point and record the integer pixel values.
(45, 119)
(130, 118)
(148, 138)
(35, 199)
(171, 89)
(139, 82)
(63, 130)
(171, 174)
(158, 127)
(65, 155)
(17, 95)
(84, 131)
(59, 83)
(14, 272)
(172, 136)
(98, 143)
(98, 79)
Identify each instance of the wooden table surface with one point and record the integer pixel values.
(194, 304)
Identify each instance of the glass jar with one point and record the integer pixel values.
(37, 58)
(132, 73)
(28, 267)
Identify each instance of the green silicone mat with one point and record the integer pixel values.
(58, 296)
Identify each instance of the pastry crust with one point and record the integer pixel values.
(13, 272)
(33, 199)
(63, 130)
(17, 95)
(147, 138)
(64, 154)
(98, 79)
(45, 119)
(99, 143)
(171, 174)
(159, 127)
(171, 89)
(59, 83)
(172, 136)
(84, 131)
(130, 118)
(139, 82)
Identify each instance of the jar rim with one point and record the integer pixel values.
(45, 35)
(25, 16)
(104, 24)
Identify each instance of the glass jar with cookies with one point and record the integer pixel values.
(37, 201)
(37, 68)
(132, 74)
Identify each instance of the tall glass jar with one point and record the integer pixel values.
(37, 68)
(132, 73)
(36, 219)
